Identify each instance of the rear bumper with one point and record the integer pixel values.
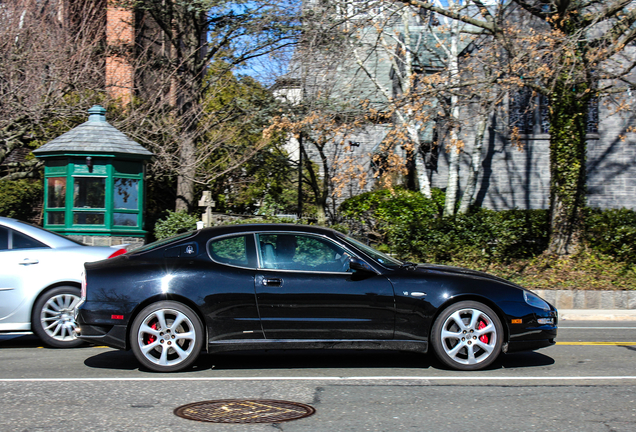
(113, 336)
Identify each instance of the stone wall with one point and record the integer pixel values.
(130, 243)
(588, 299)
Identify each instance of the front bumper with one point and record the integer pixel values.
(535, 339)
(534, 333)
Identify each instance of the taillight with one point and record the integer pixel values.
(83, 289)
(117, 253)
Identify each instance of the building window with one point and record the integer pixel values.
(56, 192)
(56, 200)
(126, 193)
(89, 193)
(126, 202)
(529, 113)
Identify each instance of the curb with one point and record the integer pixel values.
(597, 315)
(589, 299)
(590, 305)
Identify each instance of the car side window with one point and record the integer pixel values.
(4, 238)
(301, 252)
(237, 251)
(22, 241)
(11, 239)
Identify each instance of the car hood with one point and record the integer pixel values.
(428, 268)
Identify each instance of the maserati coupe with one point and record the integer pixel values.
(284, 286)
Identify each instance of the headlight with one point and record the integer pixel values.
(535, 301)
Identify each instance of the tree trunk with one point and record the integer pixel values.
(469, 197)
(424, 182)
(185, 179)
(568, 127)
(453, 176)
(455, 148)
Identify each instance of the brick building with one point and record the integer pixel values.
(120, 38)
(133, 43)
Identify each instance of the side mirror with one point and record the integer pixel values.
(358, 265)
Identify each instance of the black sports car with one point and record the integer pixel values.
(291, 286)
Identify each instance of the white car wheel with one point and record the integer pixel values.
(52, 319)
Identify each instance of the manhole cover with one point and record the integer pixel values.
(244, 411)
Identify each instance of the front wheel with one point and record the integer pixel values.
(52, 319)
(467, 335)
(166, 336)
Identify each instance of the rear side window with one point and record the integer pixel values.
(21, 241)
(4, 238)
(236, 251)
(11, 239)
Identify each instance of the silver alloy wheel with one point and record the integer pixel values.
(469, 336)
(56, 317)
(166, 337)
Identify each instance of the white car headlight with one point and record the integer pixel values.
(535, 301)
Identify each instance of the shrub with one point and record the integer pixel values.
(385, 216)
(484, 234)
(509, 243)
(175, 223)
(612, 232)
(20, 199)
(411, 227)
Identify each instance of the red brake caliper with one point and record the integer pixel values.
(150, 338)
(481, 326)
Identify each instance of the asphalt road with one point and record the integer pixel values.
(587, 382)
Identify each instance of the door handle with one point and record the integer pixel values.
(29, 261)
(276, 282)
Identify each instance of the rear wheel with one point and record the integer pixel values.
(166, 336)
(467, 336)
(52, 319)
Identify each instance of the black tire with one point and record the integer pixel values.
(52, 318)
(467, 336)
(166, 336)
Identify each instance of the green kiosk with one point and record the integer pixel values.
(94, 184)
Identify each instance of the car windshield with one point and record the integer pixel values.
(382, 258)
(158, 243)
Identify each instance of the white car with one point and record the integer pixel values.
(40, 280)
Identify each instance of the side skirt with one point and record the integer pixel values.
(283, 344)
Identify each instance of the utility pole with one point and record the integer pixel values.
(300, 175)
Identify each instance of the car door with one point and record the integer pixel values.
(230, 301)
(305, 290)
(19, 259)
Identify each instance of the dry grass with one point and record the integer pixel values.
(586, 270)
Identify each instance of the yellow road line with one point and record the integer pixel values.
(597, 343)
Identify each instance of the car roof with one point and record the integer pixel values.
(261, 227)
(47, 237)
